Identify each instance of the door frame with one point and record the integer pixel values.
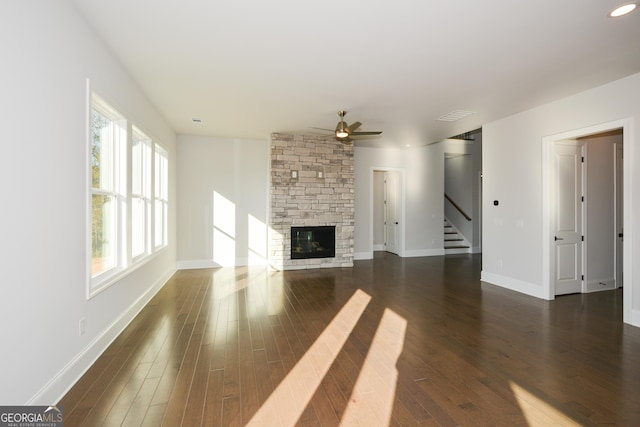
(548, 143)
(401, 215)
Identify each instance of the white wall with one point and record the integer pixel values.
(223, 187)
(48, 53)
(423, 170)
(512, 159)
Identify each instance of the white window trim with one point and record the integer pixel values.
(125, 263)
(120, 182)
(164, 197)
(146, 195)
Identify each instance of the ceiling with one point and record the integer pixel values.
(248, 68)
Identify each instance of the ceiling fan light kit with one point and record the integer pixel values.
(344, 132)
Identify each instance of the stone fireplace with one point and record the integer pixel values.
(312, 185)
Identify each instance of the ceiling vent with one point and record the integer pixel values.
(455, 115)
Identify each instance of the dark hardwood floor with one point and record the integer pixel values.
(392, 341)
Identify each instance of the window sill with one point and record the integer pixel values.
(103, 282)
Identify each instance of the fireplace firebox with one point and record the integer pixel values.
(313, 242)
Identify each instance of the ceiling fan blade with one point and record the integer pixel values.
(364, 133)
(353, 126)
(328, 130)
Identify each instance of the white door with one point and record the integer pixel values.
(391, 212)
(567, 244)
(619, 215)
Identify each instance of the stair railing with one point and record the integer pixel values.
(455, 205)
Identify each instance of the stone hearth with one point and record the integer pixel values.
(312, 184)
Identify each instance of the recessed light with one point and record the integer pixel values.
(623, 10)
(196, 120)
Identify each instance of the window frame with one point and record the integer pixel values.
(117, 191)
(144, 195)
(160, 196)
(125, 262)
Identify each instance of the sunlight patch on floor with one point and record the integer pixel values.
(373, 395)
(537, 412)
(291, 397)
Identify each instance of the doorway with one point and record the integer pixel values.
(387, 211)
(600, 217)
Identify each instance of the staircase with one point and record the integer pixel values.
(454, 243)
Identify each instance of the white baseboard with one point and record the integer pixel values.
(423, 252)
(454, 251)
(379, 247)
(635, 318)
(407, 254)
(194, 264)
(513, 284)
(61, 383)
(362, 255)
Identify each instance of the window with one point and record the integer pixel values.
(161, 196)
(140, 194)
(129, 196)
(108, 187)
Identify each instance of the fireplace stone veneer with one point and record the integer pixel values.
(312, 184)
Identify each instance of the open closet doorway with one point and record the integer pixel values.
(388, 210)
(583, 210)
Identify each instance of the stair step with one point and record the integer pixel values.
(450, 232)
(456, 247)
(454, 240)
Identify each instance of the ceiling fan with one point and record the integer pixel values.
(345, 133)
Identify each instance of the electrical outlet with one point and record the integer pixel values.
(81, 328)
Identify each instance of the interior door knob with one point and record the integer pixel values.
(556, 238)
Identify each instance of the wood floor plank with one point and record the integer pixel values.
(154, 415)
(122, 405)
(181, 390)
(231, 405)
(248, 388)
(195, 404)
(140, 404)
(212, 412)
(432, 346)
